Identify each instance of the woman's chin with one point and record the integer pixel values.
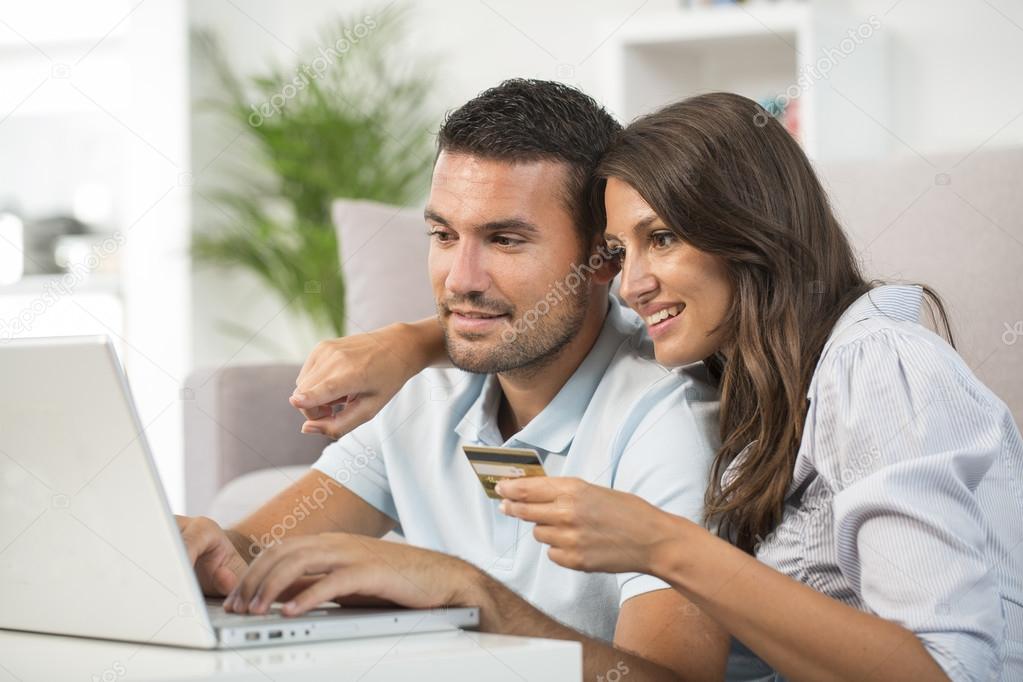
(670, 356)
(676, 352)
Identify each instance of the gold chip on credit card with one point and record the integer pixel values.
(496, 464)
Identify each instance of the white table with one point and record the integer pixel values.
(452, 656)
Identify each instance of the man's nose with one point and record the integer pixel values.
(468, 271)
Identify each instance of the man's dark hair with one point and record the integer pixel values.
(534, 120)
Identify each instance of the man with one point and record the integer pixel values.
(545, 359)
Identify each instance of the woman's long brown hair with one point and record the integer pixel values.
(729, 180)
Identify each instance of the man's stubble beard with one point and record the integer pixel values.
(528, 352)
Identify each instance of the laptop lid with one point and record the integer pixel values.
(88, 544)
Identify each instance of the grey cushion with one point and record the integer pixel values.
(237, 420)
(243, 495)
(383, 253)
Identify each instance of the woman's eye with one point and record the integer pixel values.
(615, 251)
(662, 239)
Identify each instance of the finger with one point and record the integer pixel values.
(550, 535)
(530, 489)
(338, 584)
(547, 513)
(296, 587)
(201, 537)
(240, 598)
(194, 545)
(312, 361)
(323, 411)
(226, 576)
(566, 558)
(284, 573)
(224, 580)
(345, 421)
(218, 568)
(321, 390)
(314, 411)
(307, 367)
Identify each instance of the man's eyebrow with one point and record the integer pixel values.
(434, 217)
(508, 224)
(491, 226)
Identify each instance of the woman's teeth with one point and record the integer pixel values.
(662, 315)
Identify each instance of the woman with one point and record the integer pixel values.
(864, 509)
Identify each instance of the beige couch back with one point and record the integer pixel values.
(954, 222)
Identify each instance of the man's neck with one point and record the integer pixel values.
(526, 394)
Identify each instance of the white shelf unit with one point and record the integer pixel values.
(97, 93)
(759, 50)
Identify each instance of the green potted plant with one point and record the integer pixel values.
(344, 121)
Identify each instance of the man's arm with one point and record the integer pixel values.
(660, 635)
(313, 504)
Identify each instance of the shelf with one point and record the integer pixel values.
(703, 24)
(761, 51)
(95, 283)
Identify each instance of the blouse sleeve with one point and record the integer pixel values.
(903, 436)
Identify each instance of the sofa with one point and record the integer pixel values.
(954, 221)
(242, 439)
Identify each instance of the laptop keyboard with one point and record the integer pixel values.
(221, 617)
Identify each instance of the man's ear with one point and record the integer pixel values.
(609, 265)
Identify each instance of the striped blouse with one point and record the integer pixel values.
(907, 499)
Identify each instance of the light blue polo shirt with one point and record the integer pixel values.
(621, 421)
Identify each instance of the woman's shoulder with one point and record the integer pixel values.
(880, 342)
(888, 391)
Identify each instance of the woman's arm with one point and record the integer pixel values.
(801, 633)
(346, 381)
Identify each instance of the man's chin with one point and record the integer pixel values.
(478, 355)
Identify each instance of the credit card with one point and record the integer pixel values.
(496, 464)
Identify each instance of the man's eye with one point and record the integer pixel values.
(440, 235)
(502, 240)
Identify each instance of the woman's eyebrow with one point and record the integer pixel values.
(644, 224)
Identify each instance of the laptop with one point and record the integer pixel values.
(88, 544)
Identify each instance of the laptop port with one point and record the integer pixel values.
(252, 636)
(275, 634)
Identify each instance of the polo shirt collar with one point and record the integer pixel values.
(553, 430)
